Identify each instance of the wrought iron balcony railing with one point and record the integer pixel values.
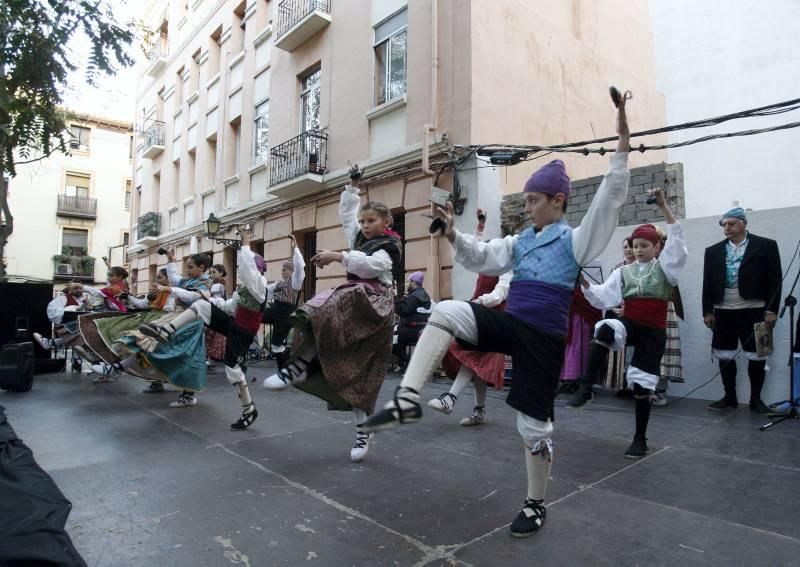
(68, 267)
(306, 153)
(154, 139)
(148, 226)
(292, 11)
(75, 206)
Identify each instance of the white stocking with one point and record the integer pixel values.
(538, 467)
(359, 415)
(463, 378)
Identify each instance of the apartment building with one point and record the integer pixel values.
(253, 109)
(72, 209)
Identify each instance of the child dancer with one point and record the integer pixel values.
(480, 368)
(70, 299)
(646, 288)
(187, 290)
(215, 342)
(546, 260)
(349, 329)
(284, 300)
(238, 318)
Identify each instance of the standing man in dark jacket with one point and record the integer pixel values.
(741, 287)
(414, 310)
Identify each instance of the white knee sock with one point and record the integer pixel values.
(480, 391)
(236, 377)
(359, 415)
(462, 379)
(430, 350)
(538, 472)
(183, 319)
(244, 394)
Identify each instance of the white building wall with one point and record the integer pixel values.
(717, 57)
(778, 224)
(34, 197)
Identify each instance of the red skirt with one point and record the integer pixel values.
(488, 366)
(215, 345)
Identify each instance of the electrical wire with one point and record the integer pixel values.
(580, 147)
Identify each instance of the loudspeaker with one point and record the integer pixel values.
(23, 311)
(16, 367)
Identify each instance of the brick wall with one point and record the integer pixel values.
(634, 210)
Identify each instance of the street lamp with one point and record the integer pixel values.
(212, 224)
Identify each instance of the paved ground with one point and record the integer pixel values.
(157, 486)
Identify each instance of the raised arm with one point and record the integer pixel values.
(607, 294)
(673, 257)
(299, 272)
(349, 202)
(249, 274)
(597, 227)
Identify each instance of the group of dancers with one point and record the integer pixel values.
(341, 347)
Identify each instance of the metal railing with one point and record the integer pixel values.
(73, 267)
(75, 206)
(307, 153)
(154, 135)
(149, 225)
(292, 11)
(158, 51)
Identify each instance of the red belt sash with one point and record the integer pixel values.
(648, 311)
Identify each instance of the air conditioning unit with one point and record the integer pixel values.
(64, 269)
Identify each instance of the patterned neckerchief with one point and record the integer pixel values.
(733, 259)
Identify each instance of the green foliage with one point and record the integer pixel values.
(35, 63)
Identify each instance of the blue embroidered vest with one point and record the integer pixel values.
(545, 272)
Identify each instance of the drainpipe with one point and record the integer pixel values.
(432, 266)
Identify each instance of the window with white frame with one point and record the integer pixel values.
(173, 219)
(310, 101)
(208, 205)
(390, 57)
(188, 213)
(128, 194)
(261, 133)
(77, 185)
(79, 138)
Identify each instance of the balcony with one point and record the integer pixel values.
(148, 229)
(69, 268)
(157, 58)
(154, 140)
(297, 166)
(299, 20)
(78, 207)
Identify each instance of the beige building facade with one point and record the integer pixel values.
(72, 209)
(253, 109)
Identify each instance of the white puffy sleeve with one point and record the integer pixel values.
(349, 202)
(172, 274)
(590, 239)
(367, 267)
(184, 295)
(492, 258)
(673, 257)
(249, 274)
(499, 294)
(607, 294)
(55, 309)
(137, 303)
(299, 273)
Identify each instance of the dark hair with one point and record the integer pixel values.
(201, 260)
(220, 268)
(163, 272)
(629, 240)
(382, 210)
(118, 271)
(563, 205)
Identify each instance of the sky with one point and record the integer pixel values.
(113, 96)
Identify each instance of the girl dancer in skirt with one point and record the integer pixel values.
(480, 368)
(347, 331)
(238, 318)
(285, 294)
(646, 286)
(546, 260)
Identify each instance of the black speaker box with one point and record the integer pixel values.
(23, 311)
